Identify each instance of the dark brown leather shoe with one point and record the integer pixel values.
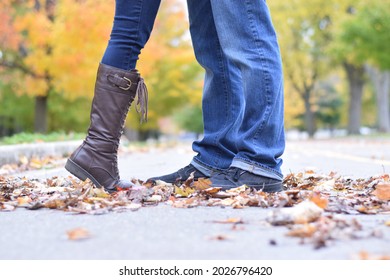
(96, 159)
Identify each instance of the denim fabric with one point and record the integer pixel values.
(133, 23)
(236, 44)
(243, 93)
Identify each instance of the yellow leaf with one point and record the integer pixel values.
(184, 191)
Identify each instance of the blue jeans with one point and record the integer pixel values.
(236, 44)
(133, 23)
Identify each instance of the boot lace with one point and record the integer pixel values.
(142, 100)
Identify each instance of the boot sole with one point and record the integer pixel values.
(80, 172)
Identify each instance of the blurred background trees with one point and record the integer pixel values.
(336, 58)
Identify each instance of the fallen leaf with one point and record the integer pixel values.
(230, 221)
(184, 191)
(304, 231)
(382, 191)
(78, 234)
(23, 200)
(227, 201)
(320, 201)
(304, 212)
(202, 184)
(237, 190)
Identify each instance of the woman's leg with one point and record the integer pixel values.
(133, 23)
(117, 85)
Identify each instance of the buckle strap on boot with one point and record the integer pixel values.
(141, 92)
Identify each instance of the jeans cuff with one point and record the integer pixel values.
(256, 169)
(204, 168)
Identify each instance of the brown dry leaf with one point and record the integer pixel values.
(189, 180)
(320, 201)
(202, 184)
(78, 234)
(55, 204)
(382, 191)
(304, 231)
(230, 221)
(211, 191)
(23, 200)
(387, 223)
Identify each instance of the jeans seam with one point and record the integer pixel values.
(267, 110)
(225, 90)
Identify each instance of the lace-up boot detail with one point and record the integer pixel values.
(96, 158)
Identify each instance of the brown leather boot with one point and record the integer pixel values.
(96, 158)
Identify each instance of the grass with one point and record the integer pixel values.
(24, 137)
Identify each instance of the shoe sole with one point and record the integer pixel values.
(80, 172)
(269, 188)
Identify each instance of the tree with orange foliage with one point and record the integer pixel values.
(54, 47)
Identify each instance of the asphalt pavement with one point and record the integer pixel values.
(165, 232)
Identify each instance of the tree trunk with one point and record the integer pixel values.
(381, 82)
(40, 121)
(309, 116)
(355, 75)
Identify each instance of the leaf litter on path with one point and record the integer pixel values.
(308, 205)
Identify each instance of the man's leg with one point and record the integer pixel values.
(222, 100)
(248, 39)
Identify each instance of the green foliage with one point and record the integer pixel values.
(190, 119)
(24, 137)
(329, 106)
(366, 36)
(69, 115)
(16, 112)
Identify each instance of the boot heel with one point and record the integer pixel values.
(79, 172)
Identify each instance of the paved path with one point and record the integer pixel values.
(164, 232)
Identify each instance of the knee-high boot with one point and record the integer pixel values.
(96, 158)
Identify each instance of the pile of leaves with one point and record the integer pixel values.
(307, 205)
(34, 163)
